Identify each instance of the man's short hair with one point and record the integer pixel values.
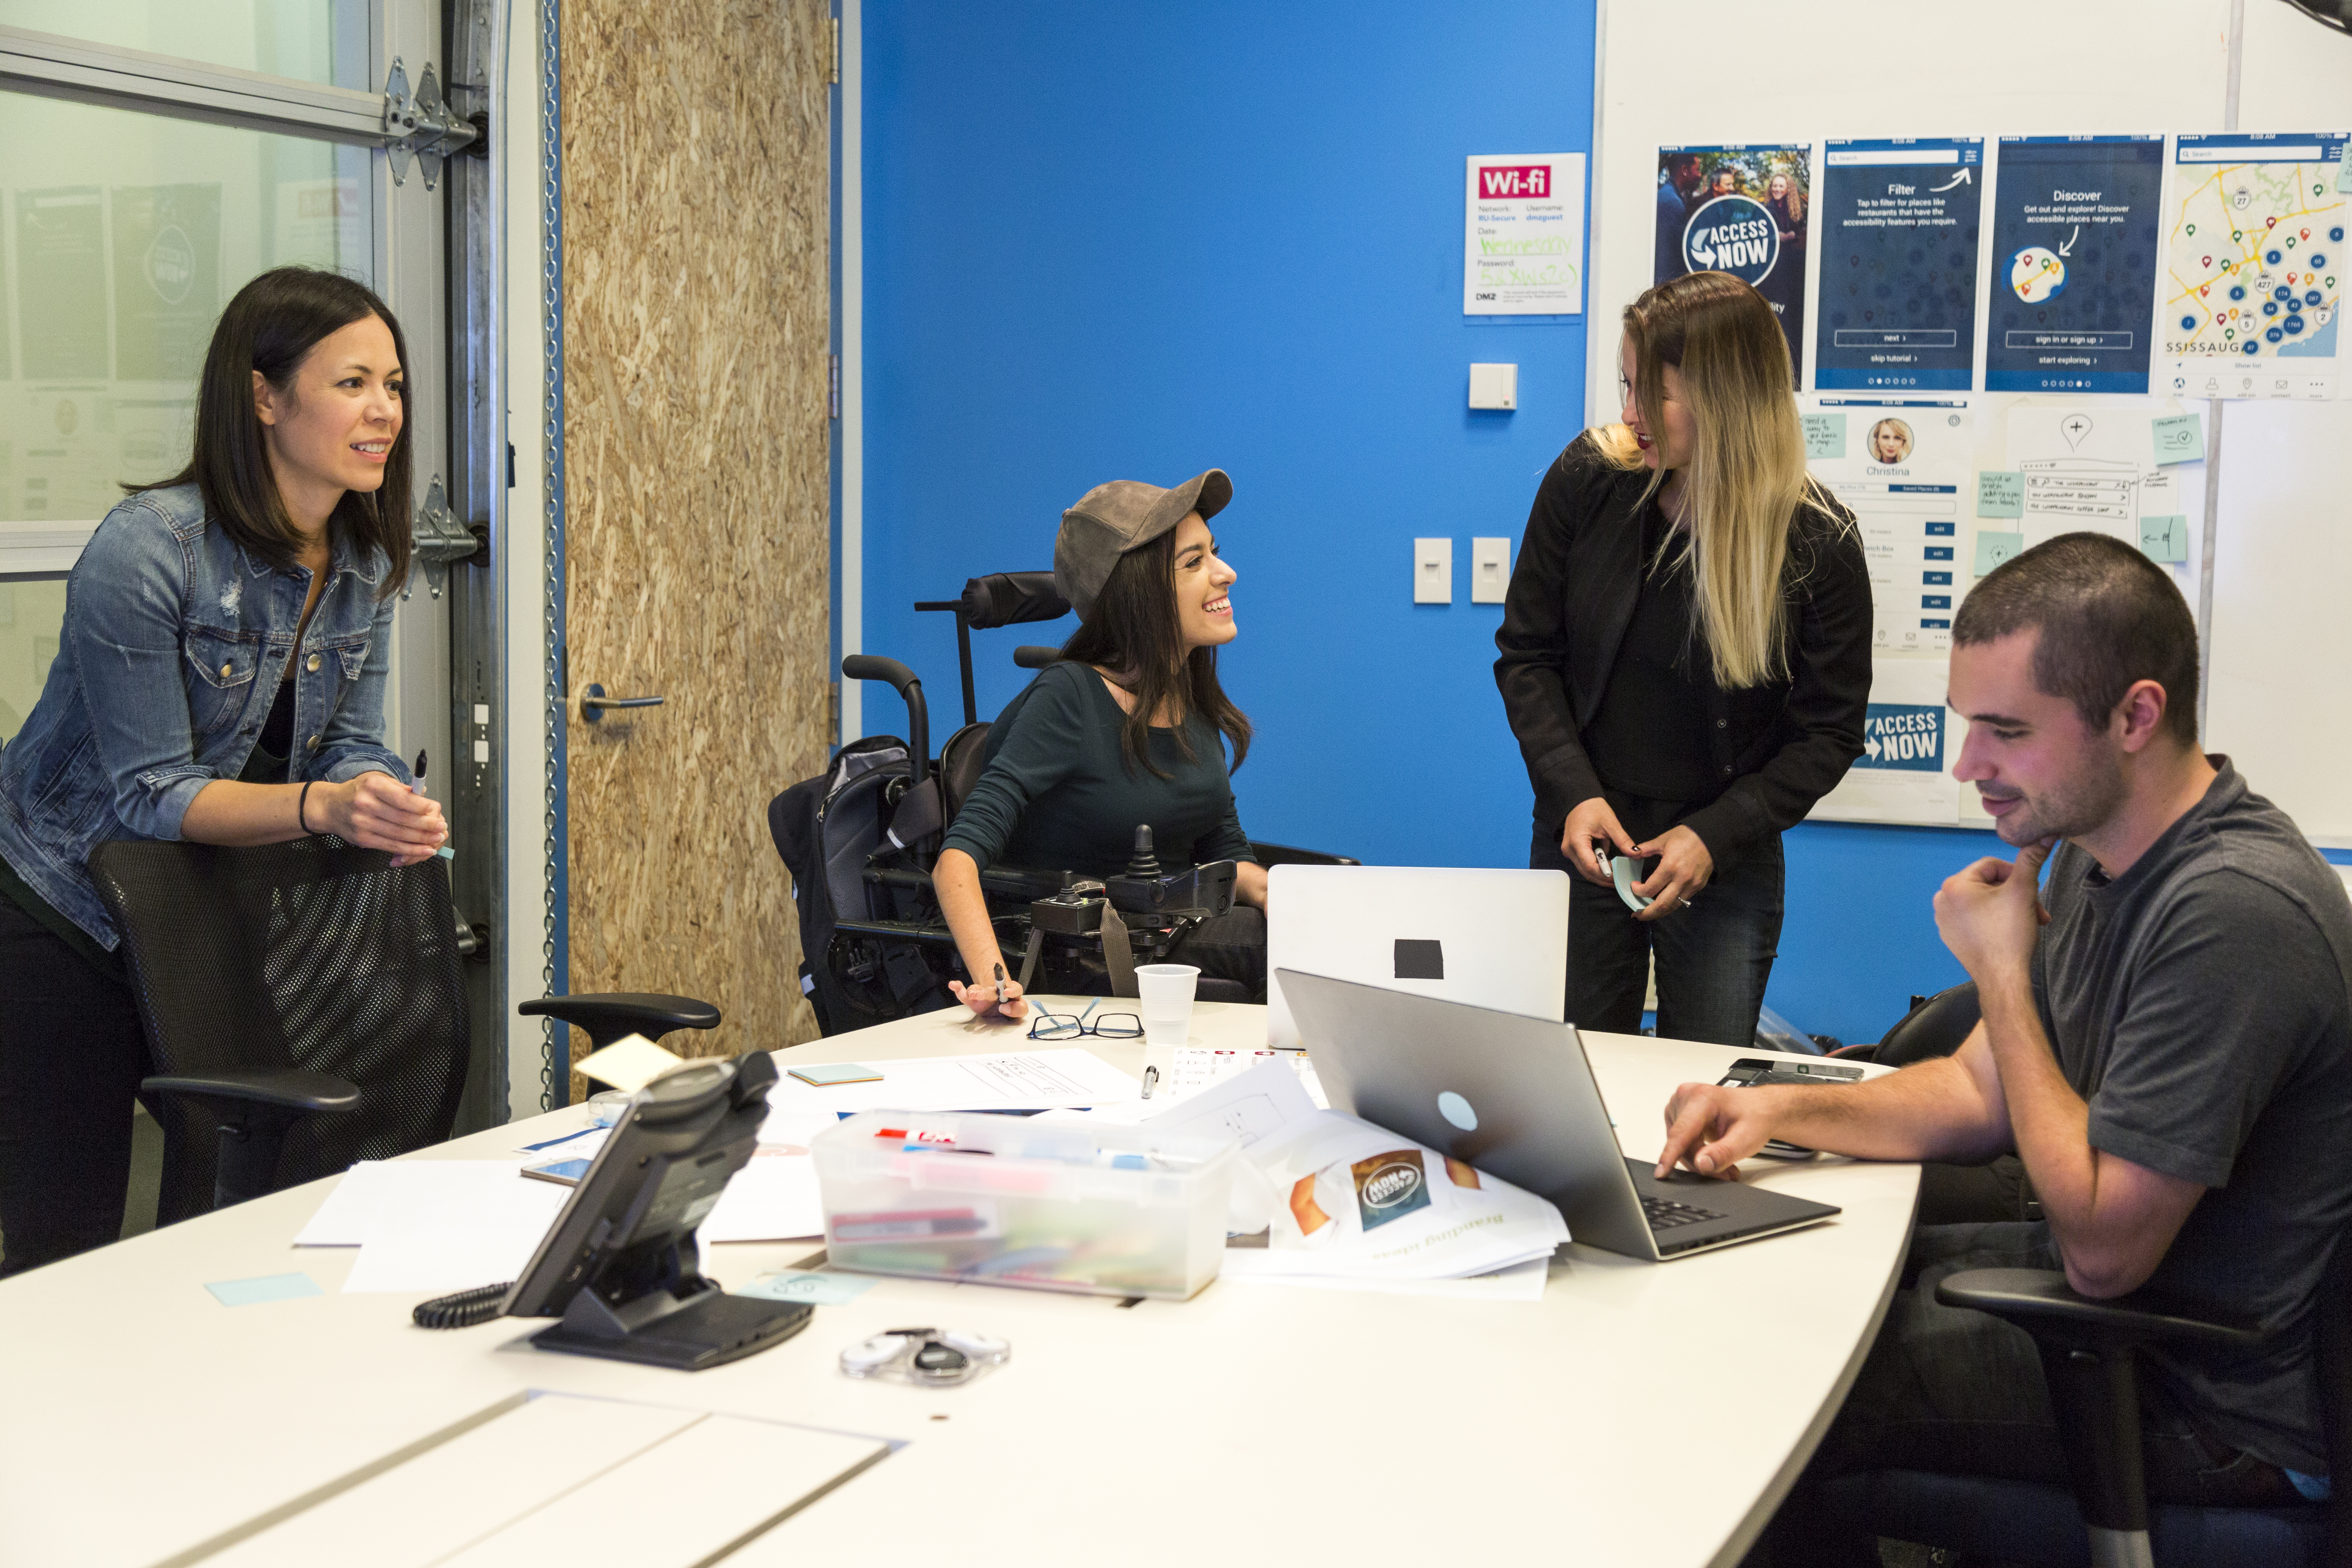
(2108, 616)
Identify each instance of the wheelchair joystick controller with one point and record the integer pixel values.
(1142, 862)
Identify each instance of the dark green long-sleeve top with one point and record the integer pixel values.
(1055, 794)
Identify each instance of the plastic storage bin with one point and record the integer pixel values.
(1008, 1200)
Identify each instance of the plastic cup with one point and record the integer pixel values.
(1166, 1001)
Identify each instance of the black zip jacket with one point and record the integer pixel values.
(1572, 593)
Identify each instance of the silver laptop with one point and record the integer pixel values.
(1498, 939)
(1516, 1097)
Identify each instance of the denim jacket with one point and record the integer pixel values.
(174, 642)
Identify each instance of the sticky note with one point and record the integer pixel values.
(2166, 539)
(831, 1073)
(2179, 437)
(1992, 549)
(817, 1290)
(1824, 435)
(629, 1063)
(2344, 175)
(2000, 495)
(263, 1287)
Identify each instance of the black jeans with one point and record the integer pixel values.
(71, 1056)
(1955, 1392)
(1714, 958)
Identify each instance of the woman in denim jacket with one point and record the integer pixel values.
(219, 679)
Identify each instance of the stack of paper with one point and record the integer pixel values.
(1354, 1203)
(997, 1080)
(435, 1225)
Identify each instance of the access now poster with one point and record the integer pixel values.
(1739, 209)
(1900, 222)
(2252, 266)
(2073, 263)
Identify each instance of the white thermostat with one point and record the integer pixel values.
(1494, 386)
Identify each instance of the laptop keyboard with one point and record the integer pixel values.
(1665, 1214)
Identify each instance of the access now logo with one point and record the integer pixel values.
(1500, 182)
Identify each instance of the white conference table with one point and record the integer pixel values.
(1640, 1414)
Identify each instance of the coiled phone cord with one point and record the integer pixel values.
(464, 1309)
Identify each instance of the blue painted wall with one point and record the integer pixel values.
(1138, 241)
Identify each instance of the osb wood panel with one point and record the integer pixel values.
(694, 214)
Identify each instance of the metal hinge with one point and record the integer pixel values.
(421, 125)
(833, 66)
(438, 538)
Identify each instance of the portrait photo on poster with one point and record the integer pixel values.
(1739, 208)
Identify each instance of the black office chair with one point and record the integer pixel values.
(1935, 1026)
(2088, 1358)
(303, 1008)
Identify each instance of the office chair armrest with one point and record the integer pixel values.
(304, 1093)
(609, 1015)
(2039, 1301)
(1272, 854)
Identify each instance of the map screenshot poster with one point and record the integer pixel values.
(1899, 293)
(1739, 209)
(2074, 260)
(2250, 294)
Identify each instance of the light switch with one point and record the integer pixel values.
(1432, 571)
(1490, 570)
(1494, 386)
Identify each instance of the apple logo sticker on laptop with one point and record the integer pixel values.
(1456, 1110)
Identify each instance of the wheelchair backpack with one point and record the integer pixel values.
(828, 830)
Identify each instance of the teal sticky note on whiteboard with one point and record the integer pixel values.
(1824, 435)
(2344, 175)
(2000, 495)
(2166, 538)
(1993, 548)
(2179, 437)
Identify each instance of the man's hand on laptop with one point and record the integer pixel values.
(1711, 1127)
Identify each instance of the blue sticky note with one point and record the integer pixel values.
(2166, 538)
(1992, 549)
(266, 1288)
(827, 1290)
(2179, 437)
(2343, 174)
(2000, 495)
(1824, 435)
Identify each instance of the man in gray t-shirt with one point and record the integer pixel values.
(2166, 1042)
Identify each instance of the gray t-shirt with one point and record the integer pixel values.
(2201, 1003)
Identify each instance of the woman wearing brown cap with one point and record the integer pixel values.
(1686, 660)
(1129, 727)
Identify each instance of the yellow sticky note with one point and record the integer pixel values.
(629, 1063)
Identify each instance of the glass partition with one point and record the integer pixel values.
(308, 40)
(30, 614)
(122, 237)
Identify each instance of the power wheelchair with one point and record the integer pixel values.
(859, 840)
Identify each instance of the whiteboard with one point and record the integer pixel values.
(1684, 72)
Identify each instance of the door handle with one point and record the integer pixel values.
(593, 702)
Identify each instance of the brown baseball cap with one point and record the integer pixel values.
(1112, 519)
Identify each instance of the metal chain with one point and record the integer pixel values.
(556, 1035)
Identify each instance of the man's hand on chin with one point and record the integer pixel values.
(1990, 913)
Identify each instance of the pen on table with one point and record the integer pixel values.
(1000, 983)
(417, 786)
(1151, 1080)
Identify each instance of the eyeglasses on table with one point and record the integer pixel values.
(1067, 1027)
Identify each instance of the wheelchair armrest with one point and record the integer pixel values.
(1272, 855)
(303, 1093)
(609, 1015)
(2039, 1301)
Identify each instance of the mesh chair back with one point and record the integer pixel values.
(314, 954)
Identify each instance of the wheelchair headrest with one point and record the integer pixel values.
(1008, 598)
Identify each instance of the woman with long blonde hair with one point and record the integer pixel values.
(1685, 661)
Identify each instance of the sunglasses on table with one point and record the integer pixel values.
(1067, 1027)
